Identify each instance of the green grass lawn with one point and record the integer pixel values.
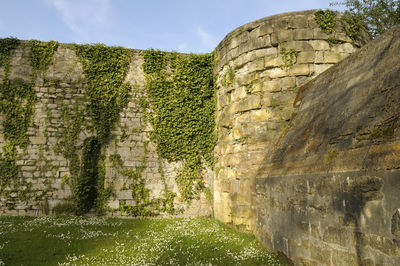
(110, 241)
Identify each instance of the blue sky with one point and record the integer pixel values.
(170, 25)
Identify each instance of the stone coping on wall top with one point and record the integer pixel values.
(254, 24)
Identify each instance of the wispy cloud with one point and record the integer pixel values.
(82, 16)
(208, 40)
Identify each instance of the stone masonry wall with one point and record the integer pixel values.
(62, 86)
(310, 167)
(256, 89)
(327, 193)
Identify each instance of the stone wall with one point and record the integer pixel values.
(46, 172)
(308, 164)
(256, 88)
(328, 193)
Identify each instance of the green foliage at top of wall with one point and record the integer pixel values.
(41, 54)
(352, 25)
(105, 69)
(326, 20)
(7, 47)
(18, 98)
(181, 106)
(373, 16)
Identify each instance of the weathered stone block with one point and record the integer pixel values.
(305, 57)
(285, 35)
(298, 22)
(288, 83)
(319, 57)
(281, 24)
(300, 70)
(273, 61)
(266, 28)
(260, 42)
(320, 35)
(274, 39)
(241, 119)
(297, 45)
(303, 34)
(344, 258)
(238, 94)
(256, 65)
(341, 36)
(344, 48)
(333, 58)
(275, 73)
(322, 254)
(337, 236)
(384, 245)
(319, 45)
(260, 115)
(267, 52)
(250, 103)
(237, 133)
(321, 68)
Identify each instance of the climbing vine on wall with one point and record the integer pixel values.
(107, 94)
(17, 102)
(7, 47)
(105, 69)
(41, 55)
(180, 106)
(289, 57)
(326, 20)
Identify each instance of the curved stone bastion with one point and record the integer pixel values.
(260, 68)
(310, 167)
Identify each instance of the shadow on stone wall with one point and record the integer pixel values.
(351, 199)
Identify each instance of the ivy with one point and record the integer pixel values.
(289, 58)
(180, 106)
(41, 55)
(103, 193)
(105, 69)
(9, 170)
(85, 190)
(106, 95)
(326, 20)
(7, 47)
(17, 102)
(143, 204)
(352, 24)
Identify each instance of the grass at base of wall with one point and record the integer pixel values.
(111, 241)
